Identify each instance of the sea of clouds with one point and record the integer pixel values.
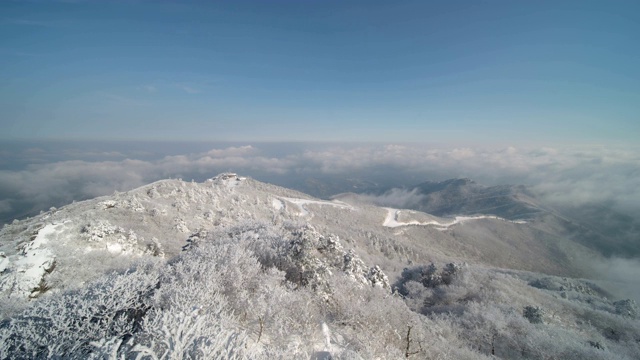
(574, 176)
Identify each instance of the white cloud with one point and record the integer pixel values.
(396, 198)
(43, 185)
(232, 151)
(575, 175)
(620, 275)
(562, 175)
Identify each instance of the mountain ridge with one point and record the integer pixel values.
(144, 220)
(236, 268)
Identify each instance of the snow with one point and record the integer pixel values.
(102, 235)
(34, 262)
(4, 263)
(302, 202)
(391, 220)
(42, 236)
(114, 248)
(214, 209)
(277, 204)
(327, 336)
(169, 210)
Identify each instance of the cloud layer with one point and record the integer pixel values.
(570, 176)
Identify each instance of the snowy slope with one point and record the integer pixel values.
(259, 271)
(158, 220)
(66, 247)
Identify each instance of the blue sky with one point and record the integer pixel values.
(414, 71)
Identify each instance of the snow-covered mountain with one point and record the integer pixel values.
(233, 267)
(461, 197)
(597, 226)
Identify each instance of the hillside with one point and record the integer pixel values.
(233, 267)
(597, 226)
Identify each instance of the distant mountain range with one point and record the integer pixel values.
(465, 196)
(597, 226)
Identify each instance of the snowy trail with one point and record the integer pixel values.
(391, 220)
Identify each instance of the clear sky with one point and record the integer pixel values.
(476, 71)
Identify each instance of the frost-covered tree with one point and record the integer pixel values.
(65, 325)
(190, 331)
(290, 291)
(626, 308)
(534, 314)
